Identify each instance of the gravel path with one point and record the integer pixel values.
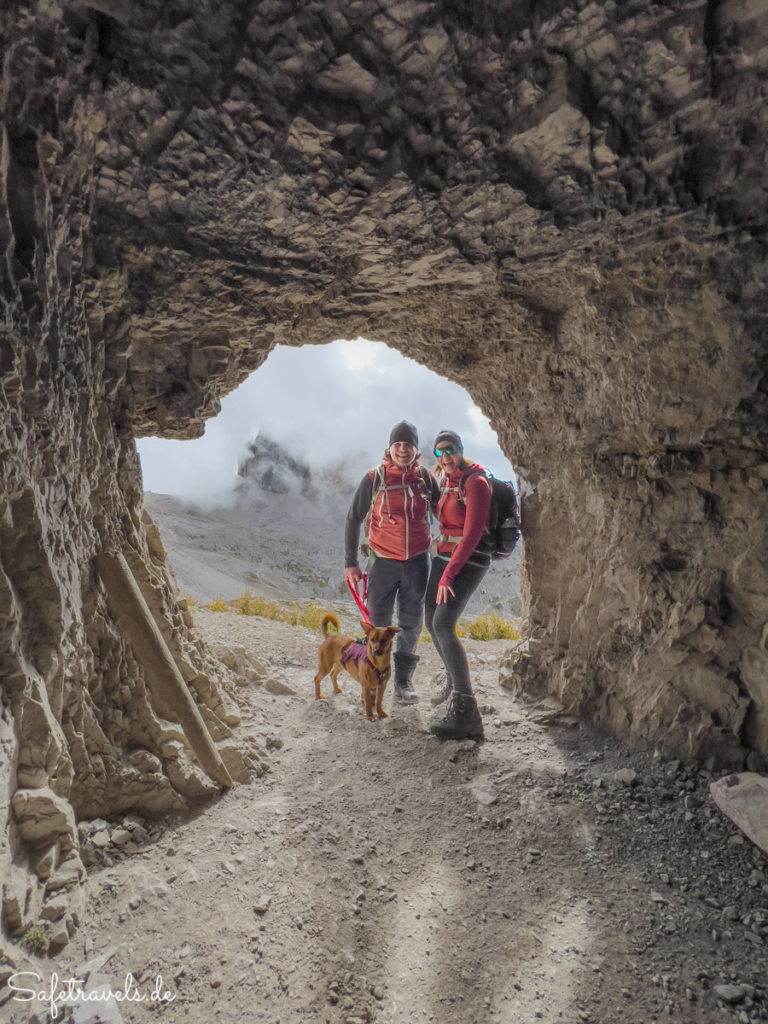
(378, 875)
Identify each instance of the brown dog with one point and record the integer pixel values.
(370, 665)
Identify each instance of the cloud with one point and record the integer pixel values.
(325, 404)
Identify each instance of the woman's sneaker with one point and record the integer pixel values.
(443, 680)
(463, 720)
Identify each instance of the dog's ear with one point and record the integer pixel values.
(367, 627)
(394, 629)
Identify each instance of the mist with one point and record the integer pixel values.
(328, 405)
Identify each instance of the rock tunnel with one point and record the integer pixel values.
(561, 207)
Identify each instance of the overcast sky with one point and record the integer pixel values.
(324, 404)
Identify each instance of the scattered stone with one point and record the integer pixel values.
(485, 795)
(627, 776)
(216, 980)
(279, 687)
(59, 938)
(43, 817)
(120, 836)
(262, 904)
(54, 909)
(46, 861)
(68, 874)
(90, 968)
(729, 993)
(744, 799)
(88, 854)
(567, 721)
(98, 1006)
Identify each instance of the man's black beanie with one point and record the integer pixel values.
(405, 432)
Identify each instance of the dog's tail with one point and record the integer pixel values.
(328, 618)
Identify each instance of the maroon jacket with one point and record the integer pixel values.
(464, 521)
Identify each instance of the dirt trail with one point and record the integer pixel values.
(403, 879)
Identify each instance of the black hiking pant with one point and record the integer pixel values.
(442, 619)
(406, 582)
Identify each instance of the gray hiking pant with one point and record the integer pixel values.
(407, 582)
(442, 619)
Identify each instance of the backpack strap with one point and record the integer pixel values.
(426, 484)
(377, 486)
(461, 490)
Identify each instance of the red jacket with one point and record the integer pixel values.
(399, 526)
(467, 519)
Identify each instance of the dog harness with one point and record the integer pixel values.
(357, 652)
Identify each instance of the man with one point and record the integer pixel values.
(395, 501)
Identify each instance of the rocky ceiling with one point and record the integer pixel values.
(562, 207)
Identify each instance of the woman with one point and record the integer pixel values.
(463, 512)
(395, 500)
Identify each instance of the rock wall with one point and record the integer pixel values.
(562, 208)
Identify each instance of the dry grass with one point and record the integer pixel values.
(297, 613)
(488, 626)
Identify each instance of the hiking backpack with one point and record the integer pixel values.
(504, 521)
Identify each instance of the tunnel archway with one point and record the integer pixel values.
(562, 211)
(259, 502)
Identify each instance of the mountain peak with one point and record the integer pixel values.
(269, 467)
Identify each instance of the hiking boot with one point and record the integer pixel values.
(443, 680)
(405, 666)
(463, 720)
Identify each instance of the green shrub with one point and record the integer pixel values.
(36, 939)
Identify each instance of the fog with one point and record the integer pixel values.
(325, 404)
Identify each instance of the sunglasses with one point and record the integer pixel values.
(450, 449)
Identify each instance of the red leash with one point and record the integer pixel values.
(360, 601)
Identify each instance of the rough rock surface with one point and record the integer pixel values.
(561, 207)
